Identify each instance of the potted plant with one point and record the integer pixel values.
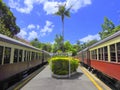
(63, 67)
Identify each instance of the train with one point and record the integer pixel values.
(18, 58)
(103, 58)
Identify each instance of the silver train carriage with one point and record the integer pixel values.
(17, 57)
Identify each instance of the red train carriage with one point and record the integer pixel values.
(84, 57)
(104, 56)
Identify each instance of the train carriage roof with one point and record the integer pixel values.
(106, 39)
(83, 50)
(102, 41)
(13, 41)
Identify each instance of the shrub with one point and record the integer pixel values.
(60, 65)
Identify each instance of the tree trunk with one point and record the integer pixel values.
(63, 32)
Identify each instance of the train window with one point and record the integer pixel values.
(15, 55)
(1, 54)
(7, 55)
(36, 56)
(84, 55)
(100, 53)
(33, 56)
(27, 56)
(20, 55)
(39, 56)
(24, 55)
(112, 53)
(105, 53)
(92, 54)
(95, 54)
(118, 51)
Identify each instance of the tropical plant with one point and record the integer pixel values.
(63, 11)
(58, 45)
(60, 65)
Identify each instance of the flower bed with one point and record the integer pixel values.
(60, 65)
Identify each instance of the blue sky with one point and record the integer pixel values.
(36, 20)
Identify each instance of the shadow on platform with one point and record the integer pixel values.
(72, 77)
(76, 76)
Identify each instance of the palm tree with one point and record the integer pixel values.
(62, 11)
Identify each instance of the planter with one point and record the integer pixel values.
(60, 66)
(63, 76)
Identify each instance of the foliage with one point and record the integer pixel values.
(107, 28)
(77, 46)
(4, 30)
(60, 65)
(91, 42)
(8, 21)
(117, 28)
(58, 45)
(44, 46)
(35, 43)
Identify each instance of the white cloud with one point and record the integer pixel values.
(32, 35)
(47, 28)
(25, 33)
(90, 37)
(77, 4)
(49, 6)
(31, 26)
(38, 27)
(22, 34)
(26, 9)
(28, 5)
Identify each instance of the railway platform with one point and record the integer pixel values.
(81, 81)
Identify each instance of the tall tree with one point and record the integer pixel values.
(107, 28)
(63, 11)
(8, 19)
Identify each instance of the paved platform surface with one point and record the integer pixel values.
(44, 81)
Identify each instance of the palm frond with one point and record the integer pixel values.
(67, 13)
(58, 13)
(62, 9)
(69, 8)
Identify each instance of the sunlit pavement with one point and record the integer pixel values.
(44, 81)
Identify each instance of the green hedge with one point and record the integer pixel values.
(60, 65)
